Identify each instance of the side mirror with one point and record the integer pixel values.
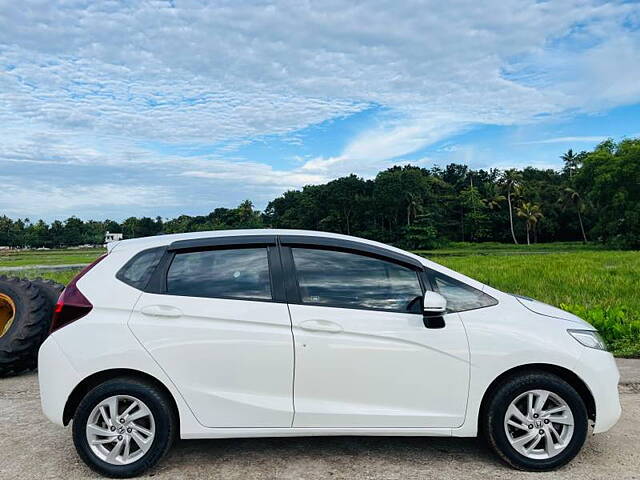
(434, 307)
(434, 304)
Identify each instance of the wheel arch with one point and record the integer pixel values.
(95, 379)
(567, 375)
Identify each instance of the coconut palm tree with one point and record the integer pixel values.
(572, 196)
(413, 206)
(571, 161)
(511, 180)
(493, 202)
(531, 214)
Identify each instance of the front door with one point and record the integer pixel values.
(221, 337)
(364, 357)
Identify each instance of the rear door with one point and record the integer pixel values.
(217, 323)
(364, 357)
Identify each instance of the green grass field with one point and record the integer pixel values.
(12, 258)
(60, 276)
(494, 248)
(601, 286)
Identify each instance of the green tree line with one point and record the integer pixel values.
(594, 197)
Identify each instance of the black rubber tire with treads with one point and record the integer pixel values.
(163, 413)
(493, 426)
(51, 291)
(20, 343)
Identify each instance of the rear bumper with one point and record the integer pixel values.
(602, 378)
(57, 379)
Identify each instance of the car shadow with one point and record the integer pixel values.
(339, 455)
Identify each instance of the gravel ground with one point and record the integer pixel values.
(33, 448)
(629, 370)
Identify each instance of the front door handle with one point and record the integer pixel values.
(161, 311)
(320, 326)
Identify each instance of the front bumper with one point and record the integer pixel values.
(599, 371)
(57, 379)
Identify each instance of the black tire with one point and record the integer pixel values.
(493, 421)
(20, 342)
(51, 291)
(156, 401)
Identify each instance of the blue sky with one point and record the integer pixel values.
(112, 109)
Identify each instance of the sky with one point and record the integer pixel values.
(110, 109)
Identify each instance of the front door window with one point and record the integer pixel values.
(342, 279)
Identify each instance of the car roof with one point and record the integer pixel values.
(138, 244)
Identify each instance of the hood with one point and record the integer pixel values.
(550, 311)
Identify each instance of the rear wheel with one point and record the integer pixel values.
(536, 421)
(123, 427)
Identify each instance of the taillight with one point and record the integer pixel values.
(72, 304)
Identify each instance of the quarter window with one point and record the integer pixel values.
(139, 269)
(231, 273)
(460, 296)
(341, 279)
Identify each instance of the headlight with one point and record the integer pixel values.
(589, 338)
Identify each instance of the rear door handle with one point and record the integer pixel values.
(161, 311)
(320, 326)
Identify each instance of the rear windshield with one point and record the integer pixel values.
(139, 269)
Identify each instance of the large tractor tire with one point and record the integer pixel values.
(51, 291)
(25, 315)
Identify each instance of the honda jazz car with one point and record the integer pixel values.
(273, 333)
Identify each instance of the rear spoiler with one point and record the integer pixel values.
(112, 245)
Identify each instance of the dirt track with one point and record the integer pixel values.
(33, 448)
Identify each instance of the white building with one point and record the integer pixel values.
(112, 237)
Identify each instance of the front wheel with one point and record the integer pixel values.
(123, 427)
(536, 421)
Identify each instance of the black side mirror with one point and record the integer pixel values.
(433, 322)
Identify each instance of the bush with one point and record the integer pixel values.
(614, 324)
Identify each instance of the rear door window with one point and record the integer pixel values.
(241, 273)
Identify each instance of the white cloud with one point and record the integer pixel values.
(374, 149)
(255, 174)
(95, 83)
(581, 139)
(20, 198)
(224, 71)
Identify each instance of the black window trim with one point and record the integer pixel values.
(330, 243)
(222, 242)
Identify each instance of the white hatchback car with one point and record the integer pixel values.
(257, 333)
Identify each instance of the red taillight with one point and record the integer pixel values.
(72, 304)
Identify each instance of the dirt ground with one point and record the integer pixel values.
(33, 448)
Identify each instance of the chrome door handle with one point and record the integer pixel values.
(320, 326)
(161, 311)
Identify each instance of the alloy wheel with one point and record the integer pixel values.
(120, 429)
(539, 424)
